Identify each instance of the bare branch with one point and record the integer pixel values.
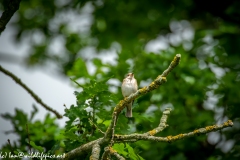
(29, 146)
(95, 152)
(83, 149)
(11, 149)
(91, 122)
(173, 64)
(18, 81)
(10, 9)
(162, 124)
(113, 129)
(205, 130)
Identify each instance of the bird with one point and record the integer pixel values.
(129, 86)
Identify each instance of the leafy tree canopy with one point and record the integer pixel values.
(143, 37)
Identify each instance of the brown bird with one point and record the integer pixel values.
(129, 86)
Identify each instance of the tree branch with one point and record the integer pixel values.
(10, 9)
(113, 129)
(95, 152)
(83, 149)
(162, 124)
(199, 131)
(91, 122)
(18, 81)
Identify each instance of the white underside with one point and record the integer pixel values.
(128, 89)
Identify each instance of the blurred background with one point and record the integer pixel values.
(48, 42)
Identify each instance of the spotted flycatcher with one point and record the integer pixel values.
(129, 86)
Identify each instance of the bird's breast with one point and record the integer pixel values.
(128, 88)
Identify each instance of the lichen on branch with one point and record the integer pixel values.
(137, 137)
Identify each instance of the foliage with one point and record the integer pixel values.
(93, 107)
(202, 90)
(32, 133)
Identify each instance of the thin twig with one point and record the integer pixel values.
(113, 129)
(91, 122)
(77, 83)
(162, 124)
(18, 81)
(10, 146)
(29, 146)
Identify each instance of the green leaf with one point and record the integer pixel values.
(79, 69)
(127, 150)
(39, 148)
(120, 149)
(70, 134)
(131, 153)
(97, 62)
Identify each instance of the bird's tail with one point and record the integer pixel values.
(129, 110)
